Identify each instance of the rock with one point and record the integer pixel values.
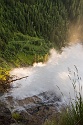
(5, 115)
(16, 124)
(42, 98)
(36, 115)
(33, 110)
(27, 102)
(49, 97)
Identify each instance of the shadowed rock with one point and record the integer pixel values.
(5, 115)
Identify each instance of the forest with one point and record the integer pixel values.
(29, 28)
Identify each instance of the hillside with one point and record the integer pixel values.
(29, 28)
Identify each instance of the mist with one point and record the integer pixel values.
(55, 76)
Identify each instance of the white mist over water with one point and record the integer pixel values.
(51, 76)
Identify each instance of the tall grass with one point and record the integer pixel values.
(73, 114)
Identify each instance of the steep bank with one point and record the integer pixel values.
(29, 29)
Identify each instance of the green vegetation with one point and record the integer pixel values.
(72, 114)
(16, 116)
(29, 28)
(3, 74)
(4, 78)
(26, 51)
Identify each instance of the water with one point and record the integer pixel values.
(51, 77)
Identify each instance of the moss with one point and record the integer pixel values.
(16, 116)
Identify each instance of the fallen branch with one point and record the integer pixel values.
(17, 79)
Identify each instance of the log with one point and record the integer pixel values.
(17, 79)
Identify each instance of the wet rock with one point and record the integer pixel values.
(34, 110)
(36, 115)
(49, 97)
(29, 100)
(42, 98)
(5, 115)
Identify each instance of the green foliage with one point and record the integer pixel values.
(26, 51)
(73, 115)
(16, 116)
(35, 23)
(4, 74)
(29, 18)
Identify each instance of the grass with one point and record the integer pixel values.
(73, 114)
